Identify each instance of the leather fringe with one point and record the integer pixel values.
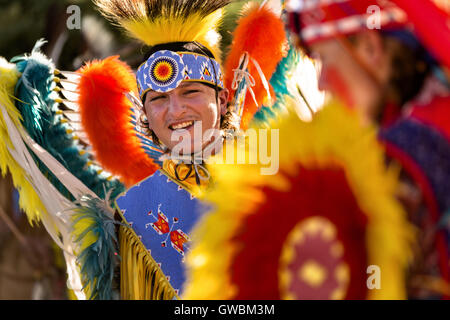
(140, 276)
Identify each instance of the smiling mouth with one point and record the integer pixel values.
(181, 125)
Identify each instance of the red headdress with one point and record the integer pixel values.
(317, 20)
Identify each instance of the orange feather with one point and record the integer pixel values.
(261, 33)
(105, 116)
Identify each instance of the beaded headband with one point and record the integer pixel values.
(165, 70)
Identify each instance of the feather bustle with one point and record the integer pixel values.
(36, 102)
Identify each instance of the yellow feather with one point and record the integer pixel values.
(79, 227)
(29, 200)
(167, 29)
(160, 21)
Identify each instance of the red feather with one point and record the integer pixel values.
(431, 25)
(261, 33)
(105, 116)
(435, 114)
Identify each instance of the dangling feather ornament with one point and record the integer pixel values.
(265, 53)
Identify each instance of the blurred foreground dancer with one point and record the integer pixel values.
(389, 60)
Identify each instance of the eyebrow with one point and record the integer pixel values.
(182, 85)
(187, 84)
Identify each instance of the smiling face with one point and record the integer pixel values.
(179, 110)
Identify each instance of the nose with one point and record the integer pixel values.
(323, 84)
(176, 107)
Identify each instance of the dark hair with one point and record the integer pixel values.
(411, 65)
(191, 46)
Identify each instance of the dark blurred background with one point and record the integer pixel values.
(22, 22)
(31, 266)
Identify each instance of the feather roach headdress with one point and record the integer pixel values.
(162, 21)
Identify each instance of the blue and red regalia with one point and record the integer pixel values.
(420, 142)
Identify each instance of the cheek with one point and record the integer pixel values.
(210, 123)
(209, 113)
(338, 85)
(213, 115)
(154, 117)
